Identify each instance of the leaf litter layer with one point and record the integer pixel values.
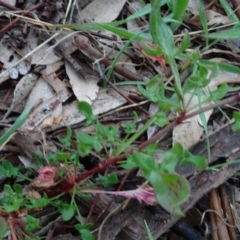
(109, 108)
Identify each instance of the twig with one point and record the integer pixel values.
(216, 204)
(83, 44)
(228, 212)
(213, 221)
(12, 23)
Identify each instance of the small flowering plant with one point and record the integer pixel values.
(142, 194)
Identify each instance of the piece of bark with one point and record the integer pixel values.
(118, 220)
(130, 227)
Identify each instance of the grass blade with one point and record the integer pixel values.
(20, 120)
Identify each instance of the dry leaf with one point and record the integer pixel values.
(107, 99)
(49, 75)
(84, 89)
(102, 11)
(41, 90)
(23, 88)
(44, 56)
(193, 7)
(50, 106)
(9, 58)
(214, 18)
(189, 132)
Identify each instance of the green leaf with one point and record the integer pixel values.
(13, 205)
(67, 211)
(150, 236)
(222, 66)
(198, 161)
(154, 89)
(236, 125)
(86, 142)
(219, 93)
(8, 170)
(144, 162)
(130, 127)
(152, 96)
(109, 134)
(171, 159)
(128, 164)
(229, 11)
(203, 18)
(7, 190)
(141, 12)
(161, 119)
(150, 49)
(86, 110)
(161, 33)
(185, 43)
(108, 180)
(194, 56)
(179, 7)
(233, 33)
(198, 80)
(151, 149)
(171, 190)
(3, 227)
(32, 223)
(164, 39)
(20, 120)
(124, 33)
(55, 158)
(203, 73)
(18, 190)
(66, 141)
(84, 230)
(39, 203)
(74, 158)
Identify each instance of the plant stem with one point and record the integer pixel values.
(183, 116)
(178, 120)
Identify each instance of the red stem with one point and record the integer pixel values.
(183, 116)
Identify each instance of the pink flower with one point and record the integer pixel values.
(46, 177)
(145, 194)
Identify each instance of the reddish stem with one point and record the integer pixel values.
(183, 116)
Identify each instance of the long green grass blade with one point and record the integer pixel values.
(233, 33)
(124, 33)
(229, 10)
(179, 7)
(203, 19)
(222, 66)
(150, 236)
(164, 39)
(21, 119)
(120, 53)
